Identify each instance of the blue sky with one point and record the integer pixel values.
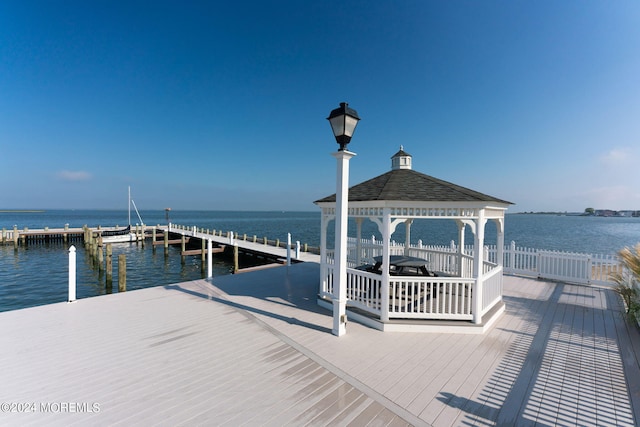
(223, 105)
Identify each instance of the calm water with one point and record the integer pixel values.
(37, 274)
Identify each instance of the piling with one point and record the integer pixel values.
(235, 259)
(100, 254)
(183, 246)
(93, 246)
(72, 274)
(166, 242)
(122, 273)
(109, 267)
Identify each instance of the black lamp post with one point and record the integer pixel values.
(343, 123)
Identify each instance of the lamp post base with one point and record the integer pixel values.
(339, 317)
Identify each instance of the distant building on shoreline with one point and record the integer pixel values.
(609, 212)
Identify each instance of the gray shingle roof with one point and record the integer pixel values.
(409, 185)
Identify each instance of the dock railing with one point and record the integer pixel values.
(235, 236)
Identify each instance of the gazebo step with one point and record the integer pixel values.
(416, 325)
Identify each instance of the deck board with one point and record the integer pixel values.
(255, 349)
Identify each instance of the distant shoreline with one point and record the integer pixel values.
(552, 213)
(21, 211)
(602, 214)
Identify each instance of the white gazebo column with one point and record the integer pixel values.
(407, 243)
(324, 220)
(340, 270)
(461, 229)
(478, 267)
(359, 240)
(500, 242)
(386, 241)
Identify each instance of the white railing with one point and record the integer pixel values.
(409, 297)
(364, 291)
(588, 269)
(491, 289)
(326, 285)
(431, 298)
(570, 267)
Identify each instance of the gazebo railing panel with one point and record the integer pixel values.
(442, 261)
(467, 266)
(488, 266)
(556, 265)
(364, 291)
(409, 297)
(326, 283)
(491, 288)
(432, 298)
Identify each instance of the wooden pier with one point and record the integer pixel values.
(160, 235)
(251, 245)
(193, 241)
(45, 235)
(255, 349)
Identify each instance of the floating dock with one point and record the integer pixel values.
(255, 349)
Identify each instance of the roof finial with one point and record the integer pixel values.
(401, 148)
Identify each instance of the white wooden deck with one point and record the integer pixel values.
(254, 349)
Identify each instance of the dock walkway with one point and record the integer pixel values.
(246, 245)
(255, 349)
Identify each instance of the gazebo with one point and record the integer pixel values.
(463, 291)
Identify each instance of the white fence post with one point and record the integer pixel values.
(72, 273)
(209, 259)
(512, 256)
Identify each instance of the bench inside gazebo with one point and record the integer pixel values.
(457, 289)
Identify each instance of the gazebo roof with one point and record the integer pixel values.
(407, 185)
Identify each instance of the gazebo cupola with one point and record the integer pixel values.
(401, 160)
(462, 287)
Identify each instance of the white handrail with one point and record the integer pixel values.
(555, 265)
